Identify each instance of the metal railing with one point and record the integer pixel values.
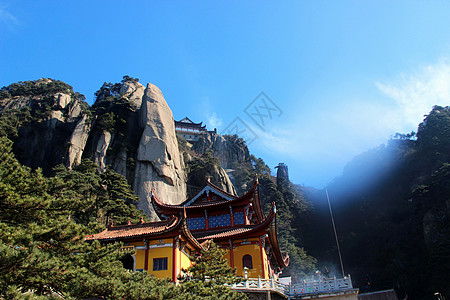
(262, 284)
(320, 286)
(306, 287)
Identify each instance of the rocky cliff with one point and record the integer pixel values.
(129, 128)
(228, 149)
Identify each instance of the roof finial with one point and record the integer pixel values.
(129, 222)
(141, 220)
(208, 178)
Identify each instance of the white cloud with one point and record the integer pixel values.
(6, 18)
(214, 121)
(415, 94)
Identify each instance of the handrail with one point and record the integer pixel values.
(305, 287)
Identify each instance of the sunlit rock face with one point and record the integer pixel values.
(130, 129)
(229, 152)
(46, 132)
(159, 163)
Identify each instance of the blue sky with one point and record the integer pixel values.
(345, 75)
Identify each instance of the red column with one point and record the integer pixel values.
(231, 215)
(262, 258)
(174, 260)
(206, 220)
(231, 254)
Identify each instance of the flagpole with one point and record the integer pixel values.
(335, 234)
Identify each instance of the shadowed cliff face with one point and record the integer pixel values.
(130, 128)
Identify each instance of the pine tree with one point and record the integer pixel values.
(209, 276)
(42, 248)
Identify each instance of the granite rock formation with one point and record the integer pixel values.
(130, 128)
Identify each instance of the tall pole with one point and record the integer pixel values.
(335, 234)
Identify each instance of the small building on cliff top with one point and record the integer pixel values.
(189, 130)
(236, 224)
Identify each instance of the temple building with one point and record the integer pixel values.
(161, 248)
(236, 224)
(189, 130)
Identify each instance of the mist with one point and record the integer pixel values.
(317, 140)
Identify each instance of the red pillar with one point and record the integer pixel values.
(231, 254)
(174, 260)
(231, 216)
(262, 258)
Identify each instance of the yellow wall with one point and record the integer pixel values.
(183, 261)
(255, 252)
(140, 259)
(160, 253)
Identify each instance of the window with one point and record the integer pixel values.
(247, 261)
(160, 264)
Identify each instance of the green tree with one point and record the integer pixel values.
(209, 276)
(117, 201)
(103, 198)
(42, 248)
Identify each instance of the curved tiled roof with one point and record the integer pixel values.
(135, 230)
(161, 206)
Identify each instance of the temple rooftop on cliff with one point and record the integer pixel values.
(187, 124)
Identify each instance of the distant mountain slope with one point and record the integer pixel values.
(392, 210)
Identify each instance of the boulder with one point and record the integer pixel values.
(62, 100)
(133, 91)
(77, 141)
(159, 163)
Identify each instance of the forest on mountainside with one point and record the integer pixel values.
(392, 211)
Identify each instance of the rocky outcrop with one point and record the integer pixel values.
(100, 152)
(134, 92)
(159, 163)
(130, 128)
(282, 173)
(228, 150)
(216, 174)
(50, 114)
(77, 142)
